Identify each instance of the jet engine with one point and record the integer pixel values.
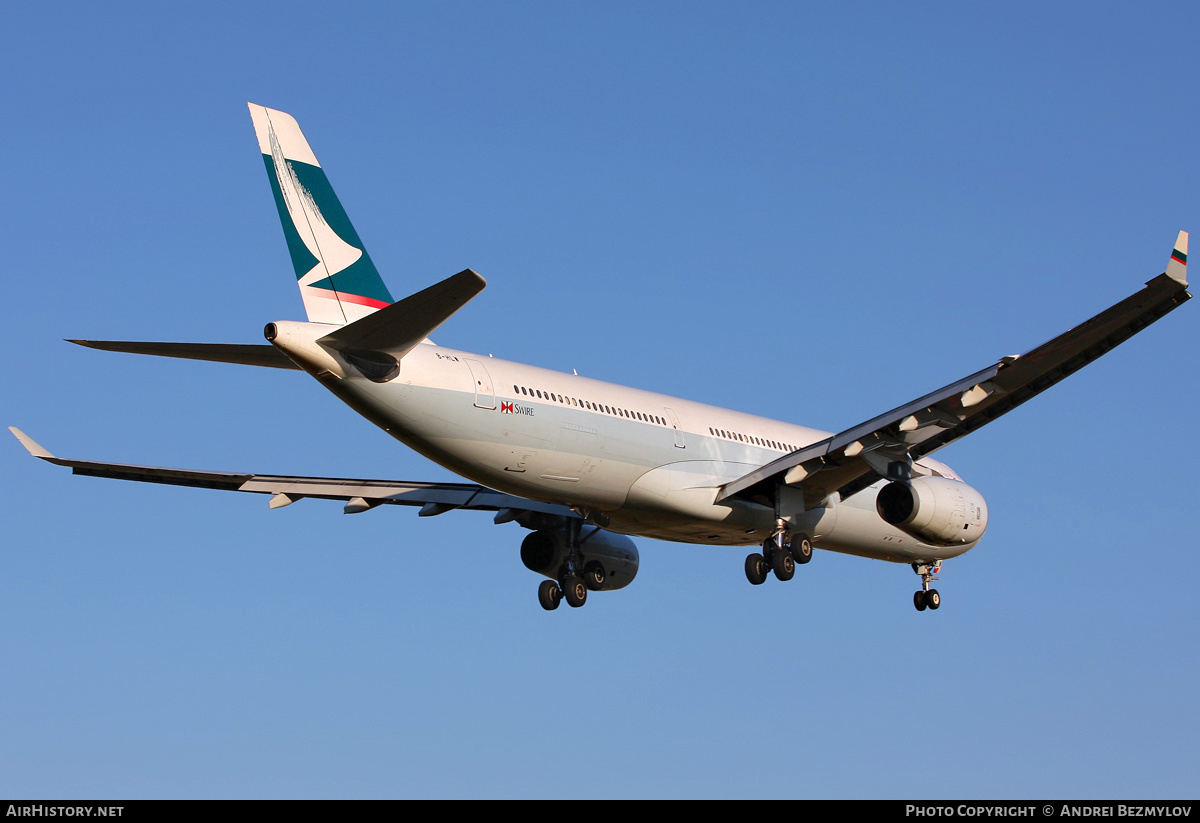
(937, 510)
(613, 555)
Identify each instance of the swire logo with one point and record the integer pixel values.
(513, 408)
(507, 408)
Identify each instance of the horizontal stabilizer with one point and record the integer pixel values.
(247, 354)
(398, 328)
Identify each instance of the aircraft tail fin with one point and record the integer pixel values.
(338, 282)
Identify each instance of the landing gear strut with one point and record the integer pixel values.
(926, 598)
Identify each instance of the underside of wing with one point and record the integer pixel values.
(359, 495)
(887, 445)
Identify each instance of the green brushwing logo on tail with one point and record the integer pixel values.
(326, 251)
(302, 259)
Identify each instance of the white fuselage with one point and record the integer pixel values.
(637, 462)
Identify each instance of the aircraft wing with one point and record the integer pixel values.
(360, 495)
(886, 446)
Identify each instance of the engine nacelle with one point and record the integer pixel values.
(937, 510)
(544, 551)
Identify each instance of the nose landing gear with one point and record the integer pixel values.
(926, 598)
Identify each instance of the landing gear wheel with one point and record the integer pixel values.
(802, 549)
(549, 595)
(919, 601)
(756, 569)
(574, 592)
(933, 599)
(593, 576)
(783, 565)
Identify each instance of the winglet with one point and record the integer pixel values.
(1177, 268)
(31, 445)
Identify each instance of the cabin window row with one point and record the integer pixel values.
(749, 438)
(589, 405)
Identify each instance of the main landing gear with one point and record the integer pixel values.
(779, 556)
(572, 589)
(572, 586)
(926, 598)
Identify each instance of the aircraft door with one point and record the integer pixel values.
(485, 395)
(679, 444)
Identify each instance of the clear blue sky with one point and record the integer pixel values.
(808, 211)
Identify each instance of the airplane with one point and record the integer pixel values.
(583, 464)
